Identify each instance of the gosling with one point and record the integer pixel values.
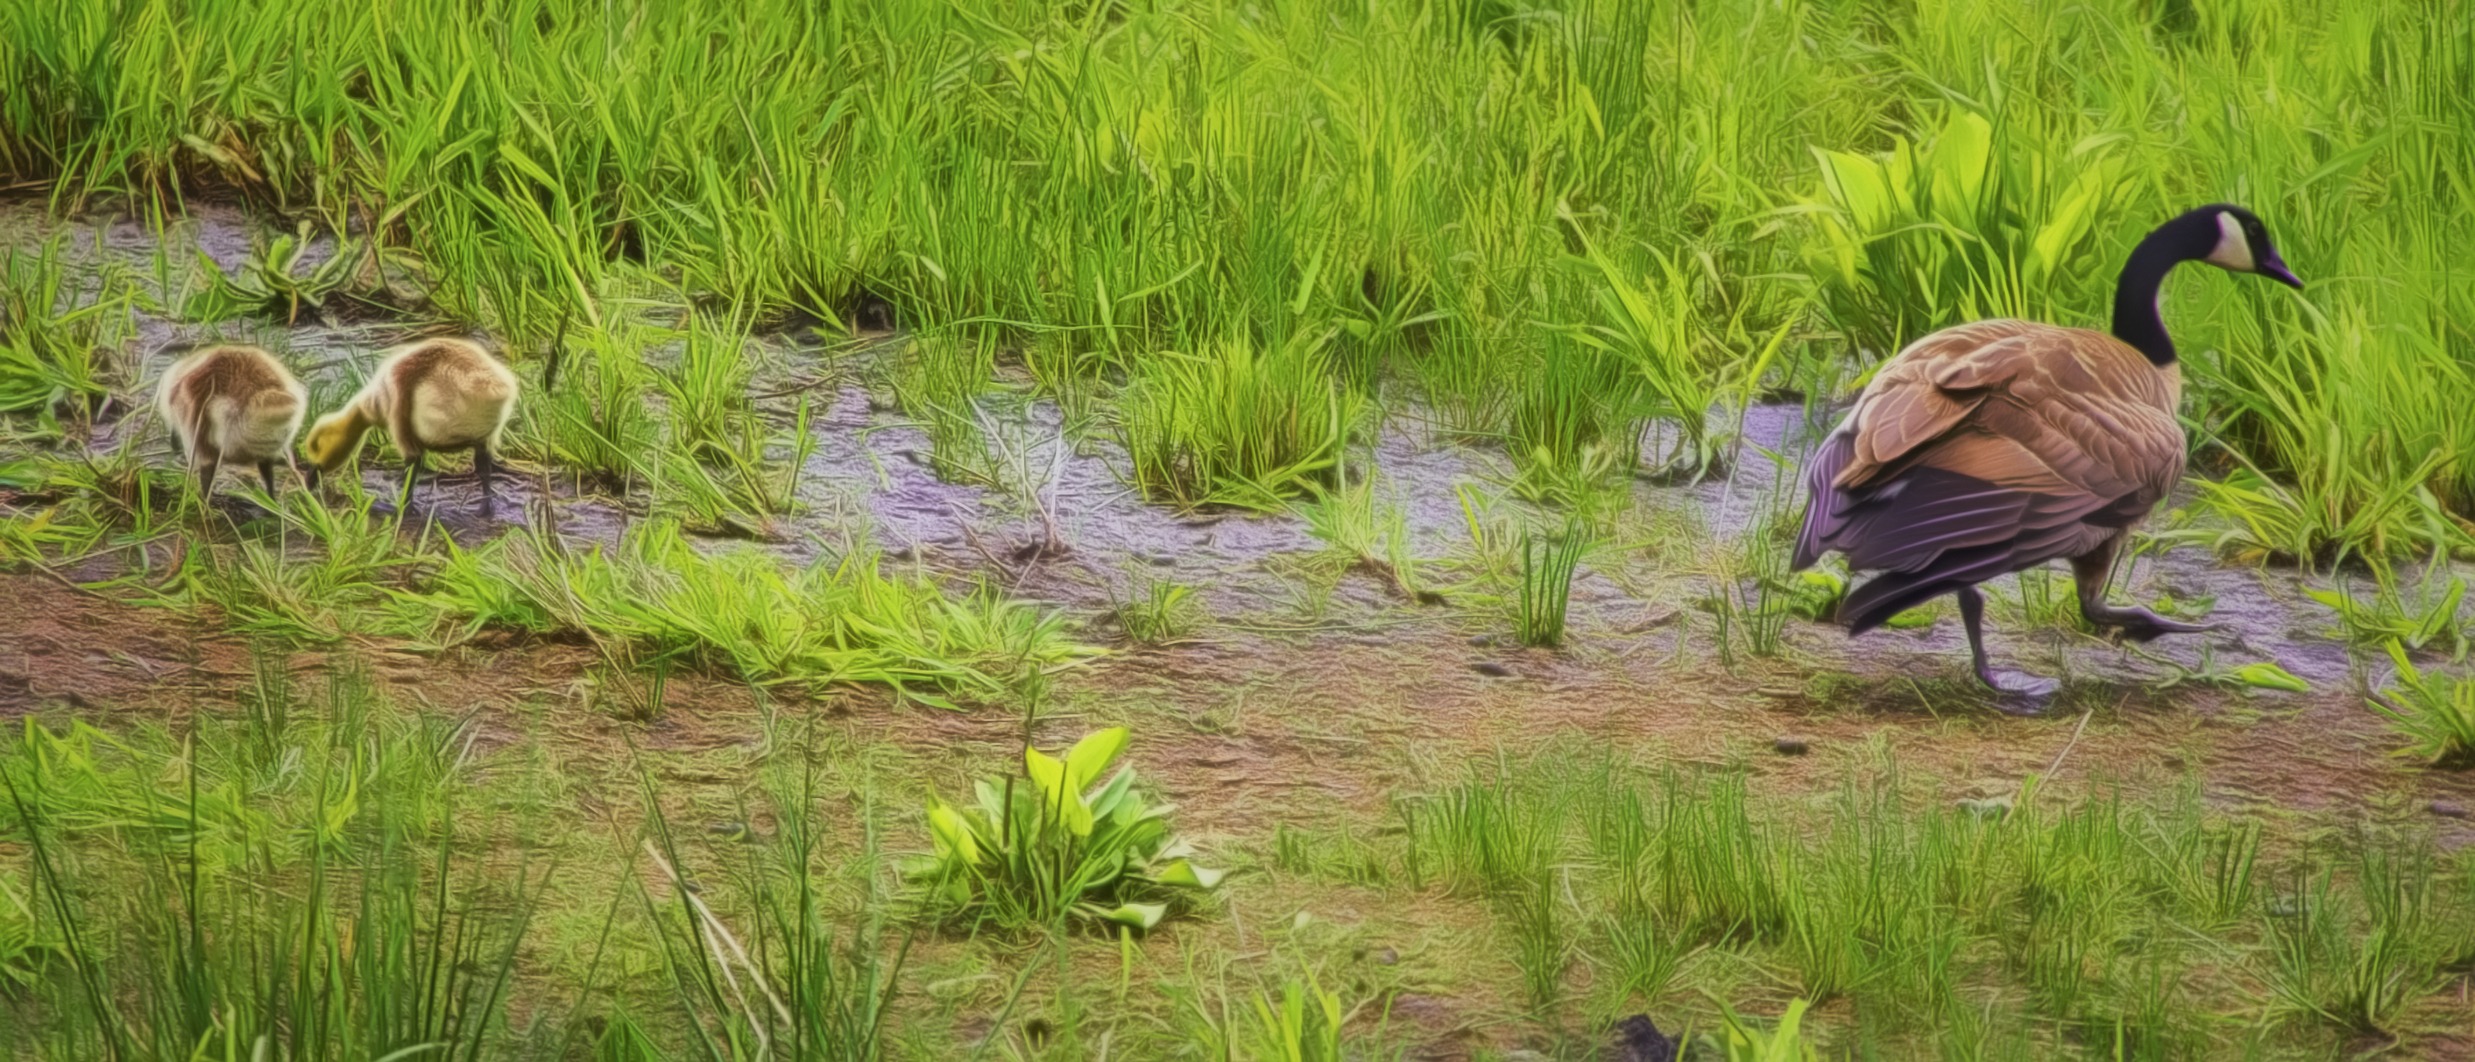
(432, 395)
(232, 403)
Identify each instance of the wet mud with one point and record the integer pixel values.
(1058, 522)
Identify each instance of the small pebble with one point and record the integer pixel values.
(1482, 641)
(1790, 746)
(1387, 957)
(1491, 669)
(2447, 810)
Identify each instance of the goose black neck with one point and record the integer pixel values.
(2135, 293)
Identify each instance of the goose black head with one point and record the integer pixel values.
(2232, 238)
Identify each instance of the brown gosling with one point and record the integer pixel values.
(232, 403)
(431, 395)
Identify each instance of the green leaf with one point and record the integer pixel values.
(1093, 754)
(2271, 677)
(1137, 915)
(1188, 875)
(1960, 158)
(953, 833)
(515, 156)
(1057, 798)
(1856, 183)
(1116, 798)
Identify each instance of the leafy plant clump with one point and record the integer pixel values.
(1159, 613)
(738, 612)
(2435, 713)
(1047, 846)
(1547, 565)
(279, 281)
(55, 344)
(1236, 425)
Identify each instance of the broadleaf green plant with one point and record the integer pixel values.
(1048, 845)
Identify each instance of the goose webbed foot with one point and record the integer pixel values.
(2139, 624)
(2016, 693)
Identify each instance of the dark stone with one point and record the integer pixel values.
(2447, 810)
(1491, 669)
(1482, 641)
(1637, 1040)
(1790, 746)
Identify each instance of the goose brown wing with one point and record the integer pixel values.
(1927, 391)
(1994, 445)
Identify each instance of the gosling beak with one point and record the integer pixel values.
(2276, 270)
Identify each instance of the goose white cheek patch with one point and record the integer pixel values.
(2233, 250)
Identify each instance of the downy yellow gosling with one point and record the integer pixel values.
(430, 395)
(231, 403)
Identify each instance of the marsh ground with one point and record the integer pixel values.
(1318, 695)
(913, 387)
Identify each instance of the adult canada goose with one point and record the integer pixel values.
(231, 403)
(431, 395)
(1998, 446)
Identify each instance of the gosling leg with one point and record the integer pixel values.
(266, 473)
(207, 467)
(485, 467)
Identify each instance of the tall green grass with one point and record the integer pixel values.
(1449, 191)
(284, 882)
(1238, 425)
(315, 872)
(1548, 561)
(2147, 923)
(58, 340)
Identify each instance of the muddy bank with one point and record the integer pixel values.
(1065, 527)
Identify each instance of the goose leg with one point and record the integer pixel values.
(2091, 571)
(2013, 683)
